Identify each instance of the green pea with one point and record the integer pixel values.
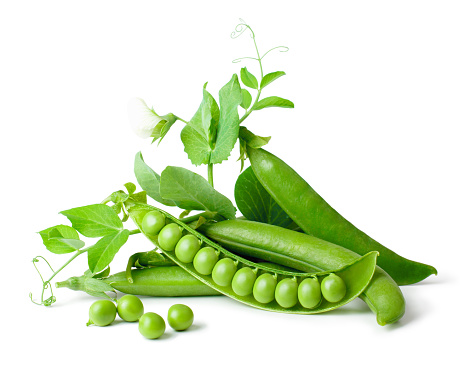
(130, 308)
(286, 293)
(169, 236)
(153, 222)
(187, 248)
(333, 288)
(224, 271)
(151, 325)
(309, 293)
(180, 317)
(243, 281)
(264, 288)
(102, 313)
(204, 260)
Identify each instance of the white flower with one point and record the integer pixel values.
(143, 119)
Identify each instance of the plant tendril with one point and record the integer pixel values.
(46, 284)
(284, 49)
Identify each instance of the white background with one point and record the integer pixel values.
(380, 129)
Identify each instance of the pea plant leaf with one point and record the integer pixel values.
(270, 77)
(273, 102)
(256, 204)
(230, 97)
(61, 239)
(248, 79)
(246, 99)
(102, 253)
(94, 220)
(148, 180)
(192, 192)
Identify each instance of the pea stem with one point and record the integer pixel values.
(210, 174)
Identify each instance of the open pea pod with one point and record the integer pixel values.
(354, 276)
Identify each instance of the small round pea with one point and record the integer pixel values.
(151, 325)
(286, 293)
(180, 317)
(333, 288)
(102, 313)
(309, 293)
(264, 288)
(169, 236)
(153, 222)
(243, 281)
(130, 308)
(187, 248)
(204, 260)
(224, 271)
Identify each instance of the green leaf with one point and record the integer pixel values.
(149, 180)
(102, 253)
(119, 197)
(192, 192)
(246, 99)
(230, 97)
(271, 77)
(140, 197)
(53, 239)
(248, 79)
(94, 220)
(252, 140)
(273, 102)
(130, 187)
(256, 204)
(196, 146)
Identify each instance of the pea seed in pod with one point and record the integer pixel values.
(309, 293)
(204, 260)
(153, 222)
(243, 281)
(180, 317)
(286, 293)
(151, 325)
(333, 288)
(264, 288)
(224, 271)
(187, 248)
(169, 236)
(102, 313)
(130, 308)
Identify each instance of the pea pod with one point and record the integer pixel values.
(355, 275)
(317, 218)
(303, 252)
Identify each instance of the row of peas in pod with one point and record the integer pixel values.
(243, 278)
(130, 308)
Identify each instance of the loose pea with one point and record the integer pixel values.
(151, 325)
(223, 272)
(264, 288)
(204, 260)
(243, 281)
(187, 248)
(169, 236)
(286, 293)
(153, 222)
(333, 288)
(130, 308)
(309, 293)
(102, 313)
(180, 317)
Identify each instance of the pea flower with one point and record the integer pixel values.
(142, 118)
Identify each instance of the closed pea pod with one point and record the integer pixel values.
(358, 272)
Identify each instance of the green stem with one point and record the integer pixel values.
(210, 174)
(134, 231)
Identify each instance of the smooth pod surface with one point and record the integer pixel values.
(317, 218)
(304, 252)
(356, 275)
